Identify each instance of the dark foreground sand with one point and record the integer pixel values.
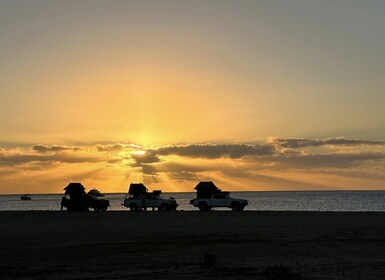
(159, 245)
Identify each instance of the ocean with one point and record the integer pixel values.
(258, 201)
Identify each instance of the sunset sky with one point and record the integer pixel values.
(253, 95)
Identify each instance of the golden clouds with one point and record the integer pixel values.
(278, 164)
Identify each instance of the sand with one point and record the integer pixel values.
(191, 245)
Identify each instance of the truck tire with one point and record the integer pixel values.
(203, 206)
(164, 207)
(133, 207)
(237, 206)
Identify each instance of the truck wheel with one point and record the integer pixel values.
(133, 207)
(163, 207)
(237, 207)
(203, 206)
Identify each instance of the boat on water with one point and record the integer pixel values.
(95, 192)
(25, 197)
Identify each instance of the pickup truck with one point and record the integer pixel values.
(150, 200)
(219, 200)
(79, 200)
(84, 202)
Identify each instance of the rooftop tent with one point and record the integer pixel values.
(137, 189)
(206, 189)
(74, 189)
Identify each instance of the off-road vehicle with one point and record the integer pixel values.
(209, 196)
(79, 200)
(138, 198)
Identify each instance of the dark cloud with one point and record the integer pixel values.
(306, 142)
(323, 160)
(211, 151)
(54, 148)
(61, 157)
(110, 148)
(116, 147)
(207, 151)
(145, 159)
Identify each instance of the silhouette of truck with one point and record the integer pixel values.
(209, 196)
(138, 198)
(79, 200)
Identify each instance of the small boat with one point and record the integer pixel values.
(25, 197)
(95, 192)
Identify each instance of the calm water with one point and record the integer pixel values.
(273, 201)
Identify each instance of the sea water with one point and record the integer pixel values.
(258, 201)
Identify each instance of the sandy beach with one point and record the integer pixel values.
(191, 245)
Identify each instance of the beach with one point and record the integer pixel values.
(191, 245)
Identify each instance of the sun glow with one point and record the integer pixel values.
(140, 153)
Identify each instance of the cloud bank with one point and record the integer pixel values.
(306, 142)
(279, 163)
(211, 151)
(55, 148)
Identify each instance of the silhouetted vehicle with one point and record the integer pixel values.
(209, 196)
(79, 200)
(25, 197)
(95, 192)
(138, 198)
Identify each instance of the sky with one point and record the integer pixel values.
(253, 95)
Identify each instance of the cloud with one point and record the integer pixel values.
(207, 151)
(211, 151)
(277, 164)
(145, 159)
(54, 148)
(322, 160)
(307, 142)
(19, 159)
(116, 147)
